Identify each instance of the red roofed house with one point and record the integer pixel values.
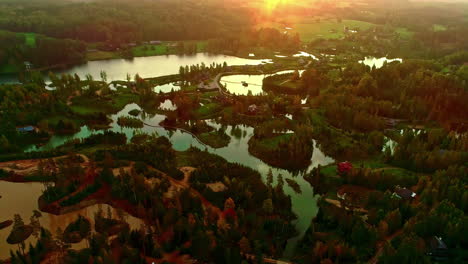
(344, 167)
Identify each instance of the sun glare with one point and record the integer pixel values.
(271, 5)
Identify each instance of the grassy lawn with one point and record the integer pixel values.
(85, 106)
(153, 50)
(373, 164)
(327, 29)
(101, 55)
(329, 171)
(30, 39)
(86, 110)
(9, 68)
(215, 139)
(122, 100)
(273, 142)
(208, 109)
(190, 88)
(404, 33)
(163, 49)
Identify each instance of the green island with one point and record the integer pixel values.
(236, 131)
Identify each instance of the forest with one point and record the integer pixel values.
(302, 132)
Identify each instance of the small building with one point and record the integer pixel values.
(253, 109)
(437, 249)
(404, 193)
(27, 129)
(27, 65)
(344, 167)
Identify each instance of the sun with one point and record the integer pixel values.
(271, 5)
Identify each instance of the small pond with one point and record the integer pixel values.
(235, 83)
(377, 62)
(166, 88)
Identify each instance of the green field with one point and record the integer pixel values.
(208, 109)
(404, 33)
(273, 142)
(166, 48)
(86, 106)
(215, 139)
(30, 39)
(101, 55)
(9, 68)
(327, 29)
(163, 49)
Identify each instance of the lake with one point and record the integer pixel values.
(24, 197)
(153, 66)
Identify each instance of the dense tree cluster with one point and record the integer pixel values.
(266, 37)
(118, 22)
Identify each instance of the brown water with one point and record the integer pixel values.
(22, 199)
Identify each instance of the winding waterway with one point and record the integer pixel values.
(25, 195)
(303, 204)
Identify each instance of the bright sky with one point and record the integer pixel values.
(272, 4)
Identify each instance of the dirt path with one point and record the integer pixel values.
(381, 245)
(27, 167)
(179, 185)
(338, 204)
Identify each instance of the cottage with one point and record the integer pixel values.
(437, 249)
(27, 65)
(344, 167)
(252, 109)
(404, 193)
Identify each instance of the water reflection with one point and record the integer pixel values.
(236, 84)
(303, 204)
(168, 105)
(166, 88)
(145, 67)
(22, 199)
(377, 62)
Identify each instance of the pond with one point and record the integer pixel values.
(305, 54)
(235, 83)
(24, 197)
(377, 62)
(304, 204)
(153, 66)
(166, 88)
(168, 105)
